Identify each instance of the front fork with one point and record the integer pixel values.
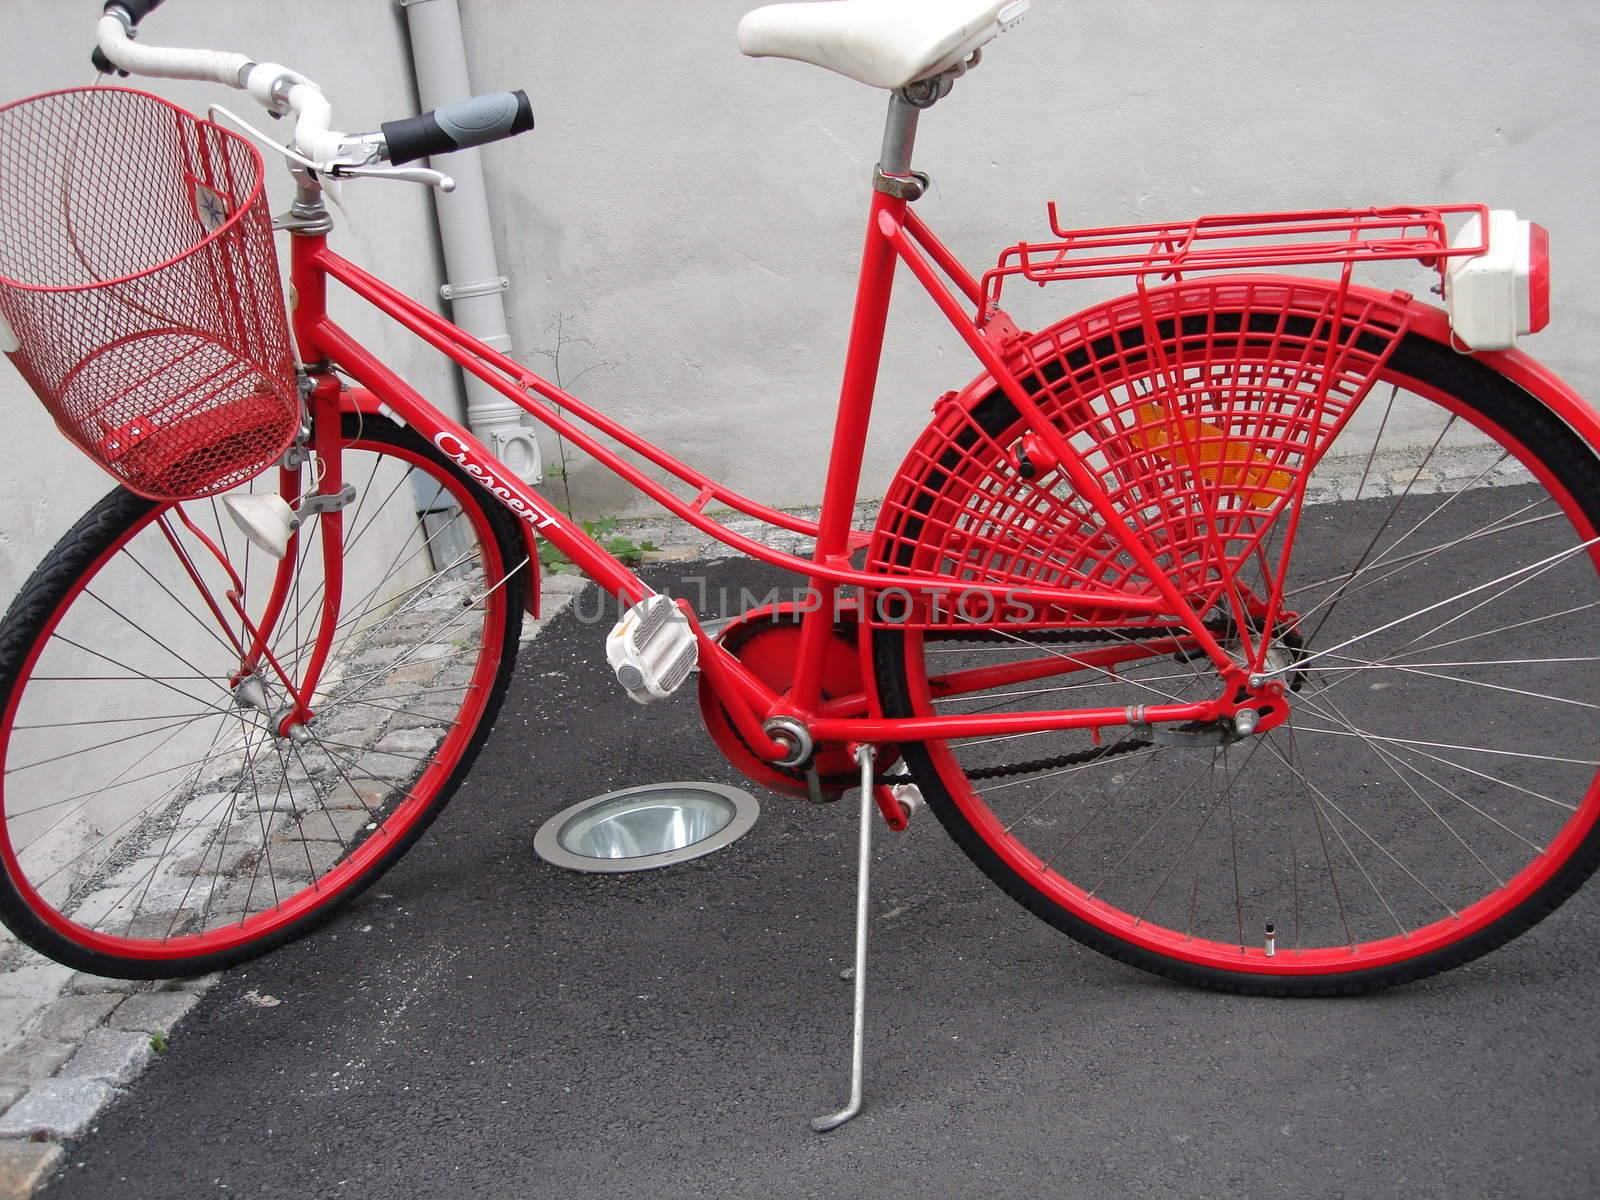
(326, 443)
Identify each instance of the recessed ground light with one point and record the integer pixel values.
(639, 828)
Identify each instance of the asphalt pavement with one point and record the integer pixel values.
(481, 1024)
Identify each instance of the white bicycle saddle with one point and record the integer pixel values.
(884, 43)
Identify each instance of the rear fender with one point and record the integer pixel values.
(1526, 372)
(921, 517)
(1426, 320)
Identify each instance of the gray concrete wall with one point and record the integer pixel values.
(690, 219)
(695, 215)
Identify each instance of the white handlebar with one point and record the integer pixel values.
(274, 86)
(213, 66)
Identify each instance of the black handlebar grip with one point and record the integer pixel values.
(136, 11)
(456, 126)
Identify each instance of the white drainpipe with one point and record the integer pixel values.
(476, 285)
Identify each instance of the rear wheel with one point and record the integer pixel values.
(1433, 790)
(160, 818)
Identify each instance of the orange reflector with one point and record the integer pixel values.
(1211, 445)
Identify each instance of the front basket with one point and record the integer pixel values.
(139, 289)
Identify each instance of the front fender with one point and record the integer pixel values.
(530, 601)
(363, 402)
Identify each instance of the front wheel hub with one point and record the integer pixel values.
(291, 723)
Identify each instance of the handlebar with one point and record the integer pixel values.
(282, 91)
(136, 11)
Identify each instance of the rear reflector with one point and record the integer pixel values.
(1539, 279)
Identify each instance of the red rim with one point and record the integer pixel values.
(338, 879)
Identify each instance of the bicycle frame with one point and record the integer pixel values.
(1136, 475)
(894, 235)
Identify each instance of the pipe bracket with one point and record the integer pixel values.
(483, 287)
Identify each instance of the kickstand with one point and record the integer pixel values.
(863, 877)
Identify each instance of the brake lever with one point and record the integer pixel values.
(422, 175)
(332, 171)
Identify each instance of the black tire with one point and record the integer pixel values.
(55, 581)
(1479, 388)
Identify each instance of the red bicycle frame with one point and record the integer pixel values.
(894, 235)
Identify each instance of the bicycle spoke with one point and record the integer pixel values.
(1513, 580)
(425, 547)
(42, 725)
(200, 820)
(1499, 527)
(227, 648)
(1555, 616)
(77, 750)
(1322, 839)
(138, 815)
(402, 599)
(1414, 744)
(1178, 860)
(1394, 511)
(1387, 759)
(1407, 669)
(1372, 454)
(134, 673)
(1377, 845)
(1151, 828)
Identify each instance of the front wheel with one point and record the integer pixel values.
(161, 818)
(1432, 792)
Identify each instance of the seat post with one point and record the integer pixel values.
(899, 135)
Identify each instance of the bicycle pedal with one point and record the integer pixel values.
(652, 649)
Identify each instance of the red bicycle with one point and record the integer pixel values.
(1242, 627)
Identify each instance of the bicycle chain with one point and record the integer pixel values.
(1080, 757)
(1134, 633)
(1095, 754)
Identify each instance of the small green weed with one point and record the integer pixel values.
(618, 545)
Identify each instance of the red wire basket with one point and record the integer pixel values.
(139, 289)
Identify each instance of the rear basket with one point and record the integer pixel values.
(139, 289)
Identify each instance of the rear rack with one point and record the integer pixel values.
(1237, 242)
